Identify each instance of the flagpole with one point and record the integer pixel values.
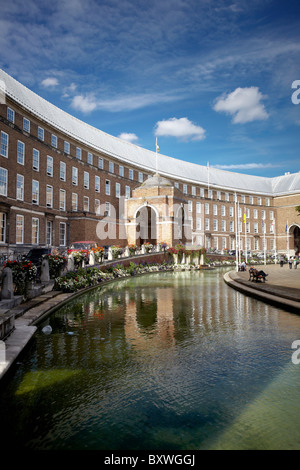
(274, 230)
(264, 229)
(207, 178)
(236, 235)
(246, 248)
(239, 233)
(287, 238)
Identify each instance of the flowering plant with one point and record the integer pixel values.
(23, 272)
(56, 263)
(99, 253)
(132, 249)
(148, 246)
(116, 250)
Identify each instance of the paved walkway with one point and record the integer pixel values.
(282, 287)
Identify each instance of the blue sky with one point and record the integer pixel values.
(211, 79)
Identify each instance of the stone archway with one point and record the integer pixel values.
(296, 234)
(146, 229)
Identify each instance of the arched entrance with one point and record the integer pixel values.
(296, 234)
(146, 230)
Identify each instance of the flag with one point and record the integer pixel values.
(244, 218)
(157, 147)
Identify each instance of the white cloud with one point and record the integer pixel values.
(244, 104)
(85, 104)
(245, 166)
(49, 82)
(129, 137)
(182, 128)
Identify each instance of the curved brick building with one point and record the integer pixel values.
(62, 180)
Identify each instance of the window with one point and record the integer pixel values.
(10, 115)
(206, 224)
(198, 224)
(2, 227)
(250, 199)
(231, 211)
(121, 170)
(215, 225)
(263, 214)
(19, 229)
(190, 206)
(90, 158)
(49, 196)
(35, 231)
(127, 192)
(75, 176)
(26, 125)
(248, 227)
(62, 234)
(141, 178)
(107, 209)
(201, 192)
(78, 153)
(130, 174)
(49, 232)
(111, 167)
(193, 191)
(259, 201)
(198, 207)
(227, 197)
(267, 201)
(40, 133)
(218, 195)
(242, 199)
(62, 171)
(36, 160)
(231, 226)
(210, 194)
(100, 163)
(4, 144)
(176, 185)
(54, 140)
(49, 166)
(118, 190)
(62, 199)
(86, 180)
(35, 192)
(21, 153)
(223, 226)
(20, 187)
(185, 189)
(223, 211)
(255, 227)
(86, 204)
(97, 206)
(97, 184)
(3, 181)
(215, 209)
(206, 208)
(107, 187)
(255, 214)
(66, 147)
(271, 214)
(74, 202)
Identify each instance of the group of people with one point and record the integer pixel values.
(293, 261)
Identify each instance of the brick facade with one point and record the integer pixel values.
(65, 207)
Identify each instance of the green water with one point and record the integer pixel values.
(175, 361)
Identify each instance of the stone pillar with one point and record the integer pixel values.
(110, 255)
(45, 274)
(126, 252)
(202, 262)
(91, 258)
(143, 250)
(70, 265)
(7, 284)
(183, 261)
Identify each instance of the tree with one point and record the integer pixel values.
(297, 208)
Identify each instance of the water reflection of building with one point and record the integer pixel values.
(158, 334)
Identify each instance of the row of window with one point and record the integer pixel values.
(248, 244)
(35, 230)
(21, 150)
(257, 228)
(241, 213)
(90, 159)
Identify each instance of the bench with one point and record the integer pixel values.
(255, 275)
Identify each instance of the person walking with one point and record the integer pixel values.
(295, 262)
(290, 262)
